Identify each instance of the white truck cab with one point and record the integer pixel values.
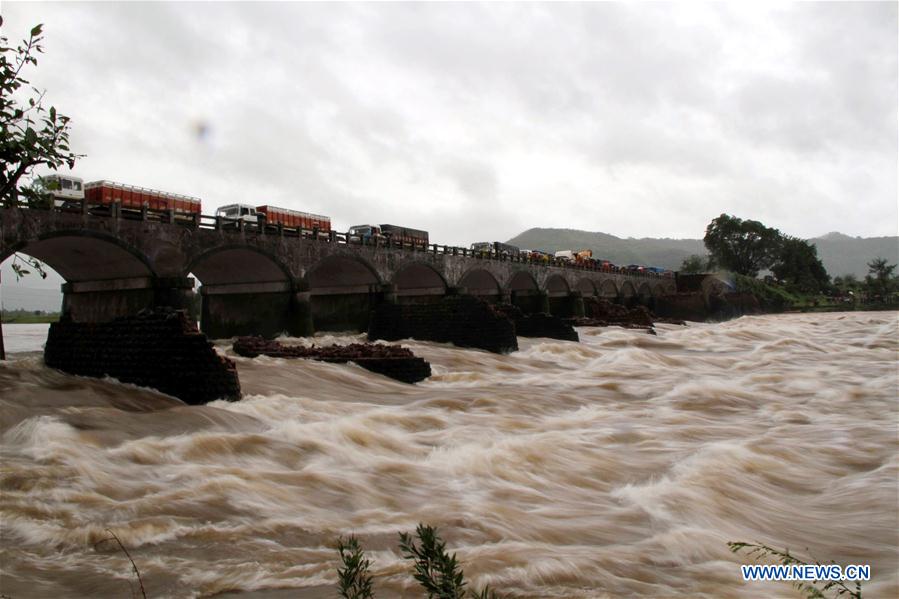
(63, 188)
(238, 212)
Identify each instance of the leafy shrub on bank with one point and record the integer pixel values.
(438, 572)
(770, 297)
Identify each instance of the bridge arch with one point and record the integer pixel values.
(523, 282)
(479, 281)
(608, 289)
(418, 279)
(237, 264)
(341, 273)
(105, 277)
(587, 287)
(244, 291)
(343, 289)
(524, 292)
(85, 256)
(556, 285)
(627, 294)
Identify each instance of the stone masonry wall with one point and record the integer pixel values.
(161, 349)
(539, 324)
(465, 321)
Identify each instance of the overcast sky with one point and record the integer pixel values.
(478, 121)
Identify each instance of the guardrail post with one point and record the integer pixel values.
(455, 251)
(332, 236)
(315, 233)
(143, 211)
(84, 206)
(196, 220)
(280, 229)
(171, 216)
(218, 222)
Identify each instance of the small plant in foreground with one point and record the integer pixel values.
(140, 581)
(354, 579)
(436, 571)
(839, 588)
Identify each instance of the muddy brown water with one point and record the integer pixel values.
(616, 467)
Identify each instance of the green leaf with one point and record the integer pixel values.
(36, 30)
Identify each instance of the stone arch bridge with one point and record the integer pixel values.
(264, 280)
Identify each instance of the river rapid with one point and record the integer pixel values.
(616, 467)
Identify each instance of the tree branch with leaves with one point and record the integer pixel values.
(31, 135)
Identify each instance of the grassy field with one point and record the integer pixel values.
(28, 317)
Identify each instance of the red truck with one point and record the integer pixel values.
(294, 219)
(132, 197)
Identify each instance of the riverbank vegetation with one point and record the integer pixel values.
(797, 279)
(28, 317)
(436, 571)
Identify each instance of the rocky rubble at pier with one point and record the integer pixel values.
(393, 361)
(603, 313)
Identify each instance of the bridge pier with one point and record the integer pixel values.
(102, 301)
(577, 305)
(566, 305)
(349, 310)
(266, 309)
(530, 301)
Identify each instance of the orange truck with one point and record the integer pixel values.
(132, 197)
(294, 219)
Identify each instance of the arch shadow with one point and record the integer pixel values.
(419, 278)
(86, 256)
(478, 281)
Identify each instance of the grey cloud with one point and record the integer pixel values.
(479, 120)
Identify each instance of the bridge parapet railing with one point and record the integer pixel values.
(204, 221)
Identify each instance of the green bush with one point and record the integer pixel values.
(438, 572)
(771, 297)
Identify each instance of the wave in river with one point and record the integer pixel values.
(619, 466)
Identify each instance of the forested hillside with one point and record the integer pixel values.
(840, 253)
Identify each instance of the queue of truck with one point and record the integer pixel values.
(69, 191)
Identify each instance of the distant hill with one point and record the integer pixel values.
(840, 253)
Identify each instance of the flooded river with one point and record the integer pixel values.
(617, 467)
